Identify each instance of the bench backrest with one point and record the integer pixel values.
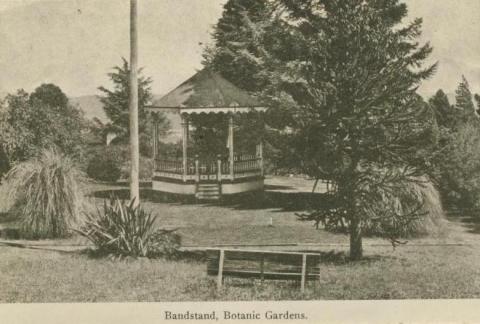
(263, 264)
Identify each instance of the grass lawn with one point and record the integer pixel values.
(421, 269)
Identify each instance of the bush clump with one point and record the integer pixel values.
(46, 194)
(128, 230)
(105, 165)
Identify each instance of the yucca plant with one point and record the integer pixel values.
(128, 230)
(46, 194)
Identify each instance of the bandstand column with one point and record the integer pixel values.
(230, 145)
(155, 144)
(260, 156)
(184, 145)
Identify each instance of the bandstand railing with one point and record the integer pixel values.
(213, 170)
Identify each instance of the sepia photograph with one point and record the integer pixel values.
(180, 151)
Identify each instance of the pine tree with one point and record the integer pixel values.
(444, 111)
(234, 54)
(464, 102)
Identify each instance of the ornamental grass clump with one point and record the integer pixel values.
(128, 230)
(412, 209)
(46, 194)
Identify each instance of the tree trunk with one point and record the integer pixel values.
(133, 105)
(356, 249)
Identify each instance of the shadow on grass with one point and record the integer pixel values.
(280, 201)
(188, 256)
(9, 227)
(468, 218)
(472, 223)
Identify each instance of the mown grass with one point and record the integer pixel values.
(408, 272)
(411, 271)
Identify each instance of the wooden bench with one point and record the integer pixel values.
(270, 265)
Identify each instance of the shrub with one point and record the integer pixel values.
(46, 194)
(105, 165)
(123, 229)
(145, 168)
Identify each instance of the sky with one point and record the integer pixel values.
(75, 43)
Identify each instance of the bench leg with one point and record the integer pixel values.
(304, 272)
(262, 268)
(220, 270)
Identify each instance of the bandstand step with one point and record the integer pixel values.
(210, 191)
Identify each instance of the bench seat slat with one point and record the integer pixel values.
(266, 275)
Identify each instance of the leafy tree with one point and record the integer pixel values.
(115, 104)
(29, 123)
(50, 95)
(348, 73)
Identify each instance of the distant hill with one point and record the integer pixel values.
(91, 106)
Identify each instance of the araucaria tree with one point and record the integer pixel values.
(348, 71)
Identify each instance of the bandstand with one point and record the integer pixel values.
(232, 173)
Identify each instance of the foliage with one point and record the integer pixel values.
(402, 210)
(235, 55)
(4, 164)
(459, 167)
(50, 95)
(128, 230)
(116, 106)
(464, 102)
(444, 111)
(231, 37)
(46, 193)
(105, 164)
(456, 170)
(26, 124)
(477, 100)
(348, 72)
(210, 134)
(145, 171)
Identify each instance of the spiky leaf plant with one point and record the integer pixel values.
(46, 193)
(128, 230)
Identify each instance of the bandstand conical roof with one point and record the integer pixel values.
(208, 92)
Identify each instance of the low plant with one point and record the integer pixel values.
(128, 230)
(46, 194)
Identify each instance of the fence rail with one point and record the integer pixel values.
(247, 165)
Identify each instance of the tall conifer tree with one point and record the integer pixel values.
(348, 72)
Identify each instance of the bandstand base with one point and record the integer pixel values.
(191, 188)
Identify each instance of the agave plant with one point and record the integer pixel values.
(46, 193)
(127, 229)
